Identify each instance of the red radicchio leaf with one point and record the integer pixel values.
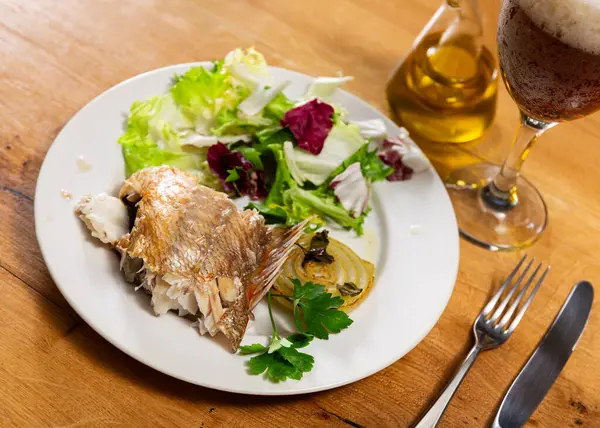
(391, 154)
(310, 123)
(250, 182)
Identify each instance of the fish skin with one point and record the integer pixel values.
(188, 229)
(197, 234)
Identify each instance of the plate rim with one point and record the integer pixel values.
(165, 370)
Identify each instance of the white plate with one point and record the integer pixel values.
(415, 271)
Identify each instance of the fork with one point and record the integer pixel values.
(489, 331)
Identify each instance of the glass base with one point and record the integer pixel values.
(494, 227)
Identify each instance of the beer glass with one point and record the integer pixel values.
(549, 52)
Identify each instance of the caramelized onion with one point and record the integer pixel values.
(347, 267)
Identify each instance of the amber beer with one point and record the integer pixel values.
(549, 54)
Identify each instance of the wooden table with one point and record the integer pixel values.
(55, 56)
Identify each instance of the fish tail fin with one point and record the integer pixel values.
(281, 245)
(234, 322)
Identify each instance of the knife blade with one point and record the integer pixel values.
(547, 361)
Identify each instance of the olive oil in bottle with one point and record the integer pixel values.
(445, 89)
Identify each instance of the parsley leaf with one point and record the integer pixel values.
(280, 369)
(300, 360)
(252, 349)
(307, 290)
(278, 343)
(260, 363)
(315, 311)
(300, 340)
(321, 320)
(283, 363)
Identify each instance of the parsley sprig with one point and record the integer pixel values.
(315, 311)
(316, 314)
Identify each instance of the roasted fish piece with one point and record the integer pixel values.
(104, 216)
(195, 252)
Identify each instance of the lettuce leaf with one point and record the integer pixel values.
(301, 202)
(277, 108)
(277, 136)
(278, 207)
(151, 139)
(247, 67)
(260, 97)
(141, 152)
(283, 179)
(352, 189)
(289, 204)
(231, 121)
(372, 167)
(343, 141)
(202, 94)
(159, 119)
(325, 87)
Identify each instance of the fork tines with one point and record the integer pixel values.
(498, 306)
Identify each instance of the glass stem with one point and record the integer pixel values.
(502, 192)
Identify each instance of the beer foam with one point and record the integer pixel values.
(573, 22)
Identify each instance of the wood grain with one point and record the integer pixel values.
(56, 371)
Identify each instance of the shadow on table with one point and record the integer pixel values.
(103, 354)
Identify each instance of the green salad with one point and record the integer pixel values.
(235, 129)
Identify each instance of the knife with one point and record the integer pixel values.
(547, 361)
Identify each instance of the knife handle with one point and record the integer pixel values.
(435, 412)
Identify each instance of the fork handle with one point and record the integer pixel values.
(435, 412)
